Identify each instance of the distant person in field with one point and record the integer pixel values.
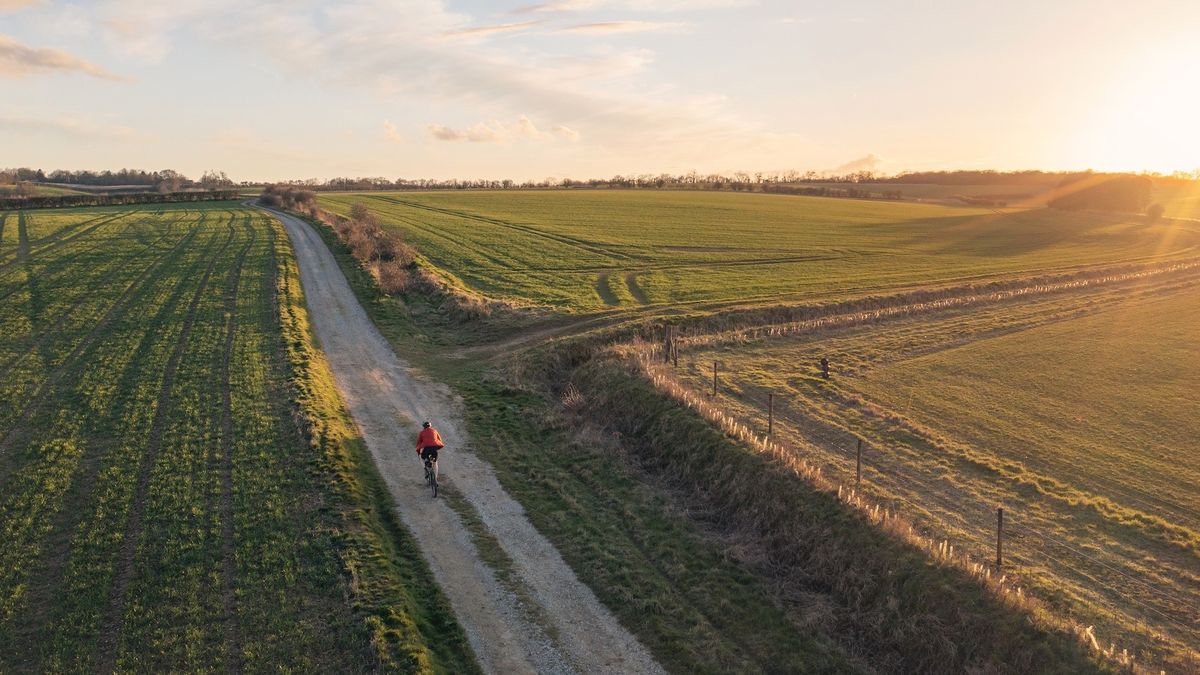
(429, 441)
(824, 367)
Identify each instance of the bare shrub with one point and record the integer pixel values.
(404, 253)
(360, 244)
(393, 278)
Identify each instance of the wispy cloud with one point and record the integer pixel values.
(391, 133)
(402, 55)
(502, 132)
(483, 31)
(623, 27)
(71, 126)
(869, 162)
(18, 60)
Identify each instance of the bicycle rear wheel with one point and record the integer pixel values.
(433, 479)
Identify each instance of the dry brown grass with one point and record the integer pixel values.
(898, 600)
(395, 264)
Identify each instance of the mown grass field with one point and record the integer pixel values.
(587, 251)
(1073, 411)
(180, 488)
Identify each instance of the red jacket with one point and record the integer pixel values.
(429, 438)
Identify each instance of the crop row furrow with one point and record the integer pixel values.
(61, 268)
(77, 312)
(233, 639)
(115, 614)
(97, 540)
(109, 387)
(40, 394)
(576, 242)
(179, 537)
(25, 247)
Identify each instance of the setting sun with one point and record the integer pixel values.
(1149, 118)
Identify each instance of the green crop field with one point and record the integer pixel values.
(586, 251)
(160, 508)
(1181, 200)
(1073, 411)
(38, 190)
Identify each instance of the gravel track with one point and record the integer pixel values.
(387, 400)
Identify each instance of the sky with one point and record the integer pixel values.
(292, 89)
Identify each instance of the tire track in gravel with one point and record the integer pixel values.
(110, 636)
(386, 400)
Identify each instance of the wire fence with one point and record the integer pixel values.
(1017, 544)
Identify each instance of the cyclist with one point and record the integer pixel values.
(429, 441)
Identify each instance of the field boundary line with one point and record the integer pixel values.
(113, 625)
(939, 550)
(831, 317)
(737, 423)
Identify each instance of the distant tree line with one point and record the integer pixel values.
(120, 199)
(858, 184)
(165, 180)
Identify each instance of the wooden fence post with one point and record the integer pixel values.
(770, 414)
(714, 379)
(858, 464)
(999, 537)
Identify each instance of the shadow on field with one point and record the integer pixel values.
(1006, 234)
(37, 304)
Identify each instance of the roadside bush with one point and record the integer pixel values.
(393, 278)
(391, 261)
(290, 197)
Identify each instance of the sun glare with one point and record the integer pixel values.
(1148, 119)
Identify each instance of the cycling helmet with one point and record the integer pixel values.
(426, 425)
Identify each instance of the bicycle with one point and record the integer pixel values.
(431, 475)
